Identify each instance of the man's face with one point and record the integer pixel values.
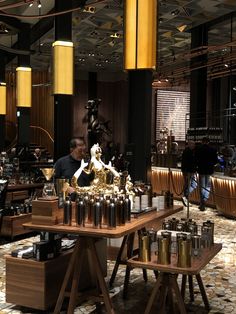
(80, 149)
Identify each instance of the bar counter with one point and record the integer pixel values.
(223, 195)
(224, 188)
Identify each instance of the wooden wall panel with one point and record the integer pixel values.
(114, 107)
(42, 111)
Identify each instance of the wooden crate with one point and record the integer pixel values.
(35, 284)
(46, 212)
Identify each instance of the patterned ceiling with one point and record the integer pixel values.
(98, 31)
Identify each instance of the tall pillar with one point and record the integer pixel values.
(231, 112)
(23, 113)
(93, 137)
(139, 129)
(63, 111)
(2, 116)
(92, 85)
(198, 79)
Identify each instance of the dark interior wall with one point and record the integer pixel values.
(113, 107)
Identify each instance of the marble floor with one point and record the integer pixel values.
(219, 276)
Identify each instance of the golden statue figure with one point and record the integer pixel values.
(100, 170)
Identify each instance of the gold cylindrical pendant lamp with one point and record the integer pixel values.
(140, 34)
(63, 67)
(23, 86)
(3, 98)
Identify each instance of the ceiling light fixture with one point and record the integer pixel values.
(226, 65)
(115, 35)
(39, 4)
(89, 9)
(182, 28)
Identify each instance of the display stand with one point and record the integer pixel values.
(86, 240)
(167, 278)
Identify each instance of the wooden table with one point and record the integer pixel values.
(86, 242)
(167, 279)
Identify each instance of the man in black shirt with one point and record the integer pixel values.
(206, 159)
(66, 166)
(188, 168)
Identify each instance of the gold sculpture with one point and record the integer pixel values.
(101, 171)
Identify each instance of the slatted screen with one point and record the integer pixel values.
(171, 109)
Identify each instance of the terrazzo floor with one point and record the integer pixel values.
(219, 276)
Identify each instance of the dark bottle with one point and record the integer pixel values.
(90, 211)
(67, 211)
(121, 211)
(103, 208)
(112, 215)
(87, 208)
(148, 188)
(80, 212)
(107, 202)
(127, 208)
(96, 213)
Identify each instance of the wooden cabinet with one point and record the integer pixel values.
(19, 192)
(35, 284)
(12, 225)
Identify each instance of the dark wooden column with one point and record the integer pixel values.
(63, 113)
(231, 138)
(2, 116)
(139, 129)
(92, 137)
(198, 79)
(23, 114)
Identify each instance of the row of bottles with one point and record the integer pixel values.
(98, 211)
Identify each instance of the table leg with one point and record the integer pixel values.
(100, 277)
(118, 260)
(67, 277)
(190, 286)
(75, 279)
(153, 294)
(183, 286)
(128, 268)
(174, 284)
(203, 292)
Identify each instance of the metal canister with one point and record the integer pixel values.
(167, 199)
(179, 226)
(166, 225)
(67, 212)
(193, 228)
(144, 247)
(164, 248)
(174, 222)
(210, 224)
(80, 211)
(96, 214)
(111, 215)
(184, 221)
(196, 245)
(184, 248)
(206, 235)
(153, 239)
